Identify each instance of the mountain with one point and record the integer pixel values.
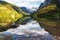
(8, 12)
(47, 2)
(12, 15)
(27, 10)
(48, 16)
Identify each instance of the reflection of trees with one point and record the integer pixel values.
(53, 16)
(49, 17)
(11, 16)
(7, 15)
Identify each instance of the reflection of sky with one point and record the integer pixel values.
(29, 4)
(30, 27)
(28, 31)
(26, 3)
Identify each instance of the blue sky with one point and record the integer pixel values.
(26, 3)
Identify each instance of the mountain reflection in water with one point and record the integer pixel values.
(29, 31)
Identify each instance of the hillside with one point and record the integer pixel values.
(49, 17)
(9, 14)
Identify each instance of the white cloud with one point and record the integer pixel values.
(26, 3)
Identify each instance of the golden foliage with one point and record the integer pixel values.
(8, 15)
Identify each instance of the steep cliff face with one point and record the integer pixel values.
(49, 17)
(47, 2)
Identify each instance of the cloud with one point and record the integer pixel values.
(26, 3)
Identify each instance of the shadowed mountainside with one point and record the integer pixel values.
(49, 16)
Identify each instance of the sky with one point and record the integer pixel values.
(26, 3)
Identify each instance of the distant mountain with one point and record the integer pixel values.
(47, 2)
(27, 10)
